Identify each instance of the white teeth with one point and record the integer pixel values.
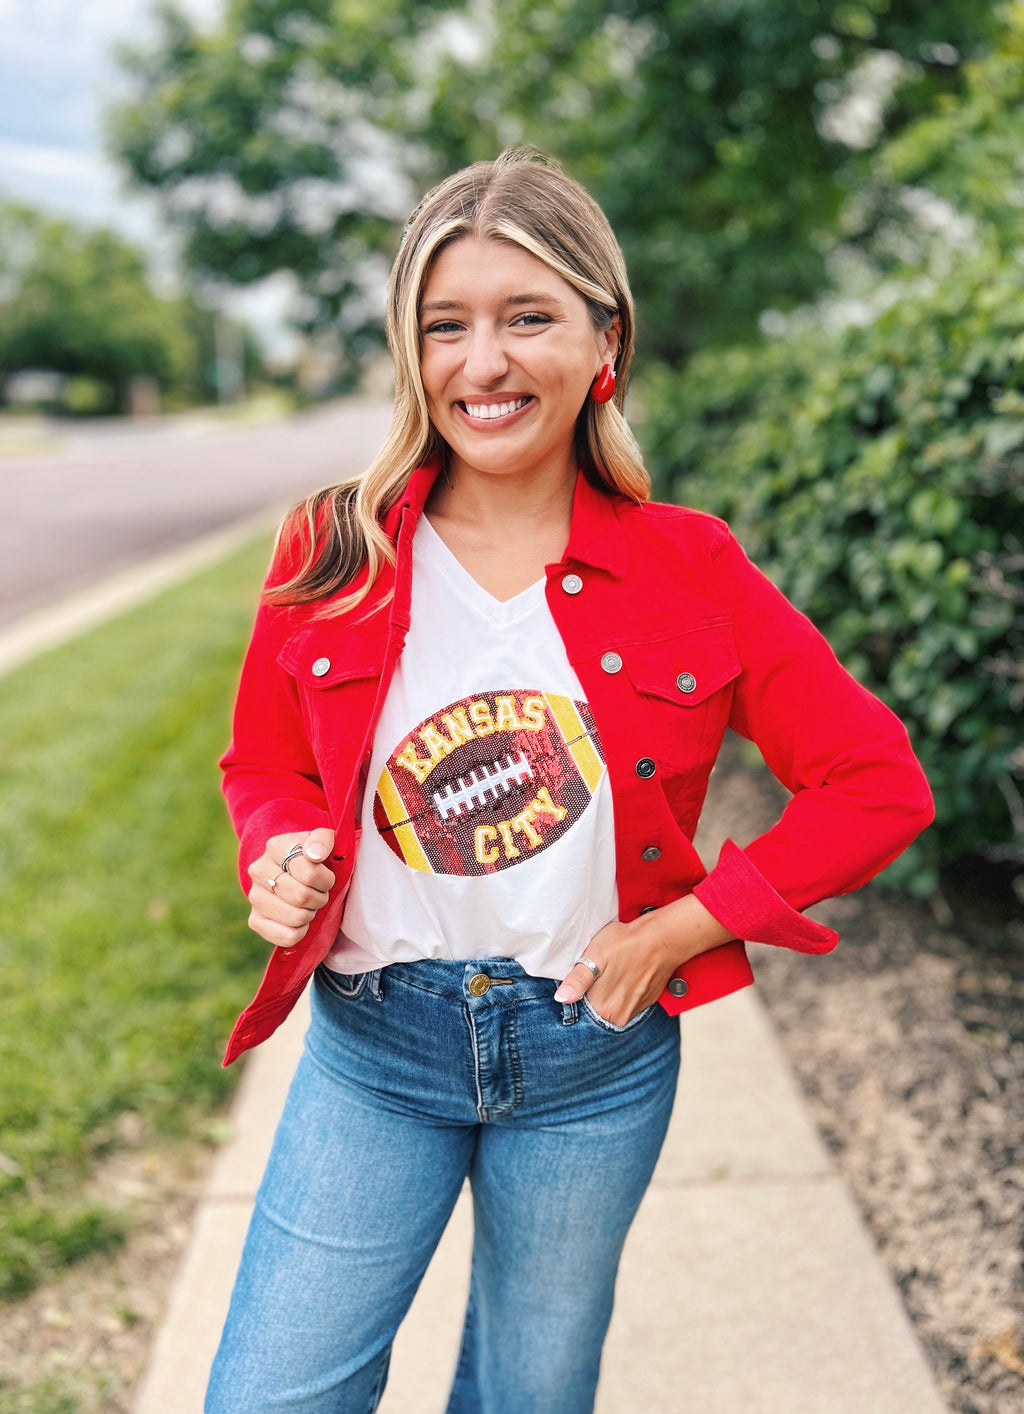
(489, 410)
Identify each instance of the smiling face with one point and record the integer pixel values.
(508, 354)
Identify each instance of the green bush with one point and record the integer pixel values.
(877, 474)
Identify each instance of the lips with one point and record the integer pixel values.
(496, 411)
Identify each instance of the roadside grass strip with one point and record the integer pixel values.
(123, 947)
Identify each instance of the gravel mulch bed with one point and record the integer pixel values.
(908, 1041)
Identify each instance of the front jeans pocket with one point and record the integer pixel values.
(347, 985)
(605, 1025)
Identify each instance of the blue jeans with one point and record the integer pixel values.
(409, 1084)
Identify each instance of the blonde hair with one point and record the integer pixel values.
(525, 199)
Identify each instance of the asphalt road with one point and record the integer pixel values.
(117, 494)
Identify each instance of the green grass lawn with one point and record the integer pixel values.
(123, 947)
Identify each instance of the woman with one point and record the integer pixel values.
(483, 698)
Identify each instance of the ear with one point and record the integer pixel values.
(609, 337)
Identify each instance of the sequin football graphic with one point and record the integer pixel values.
(488, 782)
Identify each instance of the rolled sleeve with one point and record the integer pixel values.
(744, 902)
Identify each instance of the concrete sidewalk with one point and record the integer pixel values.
(749, 1283)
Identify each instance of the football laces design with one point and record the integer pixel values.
(489, 781)
(482, 787)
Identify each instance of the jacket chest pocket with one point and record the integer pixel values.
(686, 682)
(337, 684)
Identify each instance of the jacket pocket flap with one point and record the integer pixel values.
(685, 668)
(323, 655)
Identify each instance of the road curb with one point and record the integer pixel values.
(39, 631)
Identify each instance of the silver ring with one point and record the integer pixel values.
(293, 853)
(589, 962)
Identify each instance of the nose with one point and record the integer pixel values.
(486, 359)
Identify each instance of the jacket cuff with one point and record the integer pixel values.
(742, 900)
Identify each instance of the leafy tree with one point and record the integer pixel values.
(265, 139)
(965, 156)
(722, 139)
(77, 301)
(710, 131)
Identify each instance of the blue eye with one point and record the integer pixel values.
(533, 320)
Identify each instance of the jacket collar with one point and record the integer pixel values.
(413, 498)
(595, 534)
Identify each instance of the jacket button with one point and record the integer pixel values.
(649, 908)
(650, 854)
(321, 667)
(611, 662)
(678, 986)
(645, 768)
(571, 583)
(686, 682)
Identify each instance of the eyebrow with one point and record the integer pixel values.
(538, 297)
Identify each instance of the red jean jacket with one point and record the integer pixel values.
(674, 636)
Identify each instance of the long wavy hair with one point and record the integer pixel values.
(522, 198)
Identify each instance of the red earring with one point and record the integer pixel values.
(602, 390)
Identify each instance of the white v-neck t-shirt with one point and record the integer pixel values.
(487, 825)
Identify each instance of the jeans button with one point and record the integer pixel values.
(479, 984)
